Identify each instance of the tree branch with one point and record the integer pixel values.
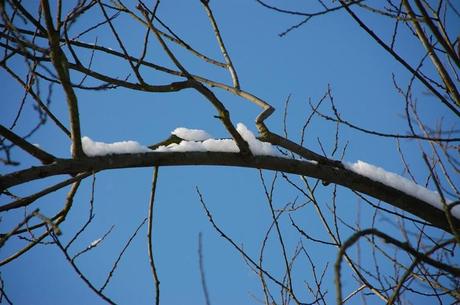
(61, 65)
(33, 150)
(153, 268)
(326, 172)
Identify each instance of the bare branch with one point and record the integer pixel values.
(223, 49)
(33, 150)
(153, 268)
(61, 65)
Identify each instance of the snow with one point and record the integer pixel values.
(193, 140)
(398, 182)
(217, 145)
(191, 134)
(95, 242)
(200, 141)
(223, 145)
(92, 148)
(257, 147)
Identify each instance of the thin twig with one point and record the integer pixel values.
(201, 265)
(115, 265)
(223, 49)
(80, 273)
(59, 220)
(153, 268)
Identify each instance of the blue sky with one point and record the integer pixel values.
(330, 49)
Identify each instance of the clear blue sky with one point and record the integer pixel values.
(330, 49)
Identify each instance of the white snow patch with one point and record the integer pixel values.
(398, 182)
(217, 145)
(191, 134)
(36, 145)
(257, 147)
(95, 242)
(92, 148)
(194, 140)
(224, 145)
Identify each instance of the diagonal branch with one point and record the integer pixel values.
(61, 217)
(267, 109)
(439, 37)
(120, 43)
(61, 65)
(173, 37)
(223, 49)
(36, 98)
(395, 55)
(450, 86)
(388, 239)
(224, 115)
(80, 273)
(33, 150)
(22, 202)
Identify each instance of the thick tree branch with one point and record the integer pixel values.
(325, 172)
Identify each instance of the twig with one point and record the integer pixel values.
(5, 237)
(238, 248)
(120, 43)
(115, 265)
(439, 37)
(400, 59)
(38, 101)
(388, 239)
(22, 202)
(153, 268)
(60, 219)
(33, 150)
(223, 49)
(224, 115)
(80, 274)
(451, 88)
(201, 265)
(93, 244)
(269, 197)
(90, 216)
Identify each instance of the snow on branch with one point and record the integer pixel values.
(92, 148)
(398, 182)
(222, 145)
(191, 134)
(193, 140)
(200, 140)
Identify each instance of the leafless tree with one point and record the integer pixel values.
(421, 244)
